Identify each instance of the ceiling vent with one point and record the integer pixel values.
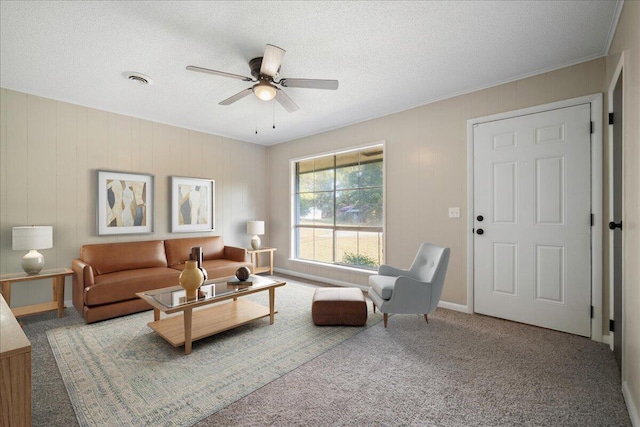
(137, 77)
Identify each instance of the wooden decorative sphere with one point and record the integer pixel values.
(243, 273)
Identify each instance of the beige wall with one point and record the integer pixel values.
(49, 154)
(626, 43)
(426, 166)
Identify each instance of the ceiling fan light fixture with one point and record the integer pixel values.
(264, 91)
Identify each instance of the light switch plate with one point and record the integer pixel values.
(454, 212)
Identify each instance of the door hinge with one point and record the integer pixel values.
(612, 325)
(591, 312)
(591, 128)
(610, 118)
(592, 220)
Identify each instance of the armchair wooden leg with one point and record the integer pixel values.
(386, 316)
(426, 317)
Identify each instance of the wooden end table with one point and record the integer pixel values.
(56, 274)
(255, 260)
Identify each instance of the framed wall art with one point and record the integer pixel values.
(192, 204)
(125, 203)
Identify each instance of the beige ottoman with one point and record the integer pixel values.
(339, 306)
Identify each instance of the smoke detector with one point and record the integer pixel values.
(137, 77)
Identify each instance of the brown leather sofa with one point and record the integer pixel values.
(108, 275)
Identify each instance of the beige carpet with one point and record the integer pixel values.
(460, 370)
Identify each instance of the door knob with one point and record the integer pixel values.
(614, 225)
(480, 231)
(480, 218)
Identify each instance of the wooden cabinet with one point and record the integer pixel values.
(15, 371)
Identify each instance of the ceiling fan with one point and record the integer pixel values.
(264, 70)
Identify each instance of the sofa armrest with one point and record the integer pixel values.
(235, 254)
(82, 277)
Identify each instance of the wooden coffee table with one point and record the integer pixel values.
(228, 310)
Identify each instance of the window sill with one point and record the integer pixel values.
(335, 266)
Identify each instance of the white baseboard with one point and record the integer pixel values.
(606, 339)
(68, 303)
(631, 405)
(443, 304)
(321, 279)
(455, 307)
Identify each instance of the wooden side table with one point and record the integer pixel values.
(57, 275)
(255, 260)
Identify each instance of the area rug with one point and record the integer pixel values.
(121, 373)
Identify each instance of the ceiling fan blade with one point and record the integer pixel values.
(236, 97)
(219, 73)
(310, 83)
(285, 101)
(271, 60)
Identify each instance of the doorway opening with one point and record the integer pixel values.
(616, 204)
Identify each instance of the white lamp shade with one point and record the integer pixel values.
(255, 228)
(34, 237)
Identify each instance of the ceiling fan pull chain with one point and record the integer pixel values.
(274, 114)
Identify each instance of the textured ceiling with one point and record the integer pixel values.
(388, 56)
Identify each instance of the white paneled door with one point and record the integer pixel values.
(532, 255)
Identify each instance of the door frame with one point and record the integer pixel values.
(610, 90)
(596, 197)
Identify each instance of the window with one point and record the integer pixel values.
(338, 204)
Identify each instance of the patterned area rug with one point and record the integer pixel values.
(121, 373)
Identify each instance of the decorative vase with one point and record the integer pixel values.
(197, 255)
(191, 279)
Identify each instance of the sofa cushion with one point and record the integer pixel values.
(107, 258)
(178, 250)
(123, 285)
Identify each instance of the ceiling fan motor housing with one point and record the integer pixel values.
(255, 64)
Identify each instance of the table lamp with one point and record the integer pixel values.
(31, 239)
(255, 228)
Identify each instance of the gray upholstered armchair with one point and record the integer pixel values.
(413, 291)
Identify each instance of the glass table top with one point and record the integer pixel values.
(176, 296)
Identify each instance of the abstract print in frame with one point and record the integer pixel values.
(192, 204)
(125, 203)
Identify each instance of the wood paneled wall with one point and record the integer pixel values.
(50, 152)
